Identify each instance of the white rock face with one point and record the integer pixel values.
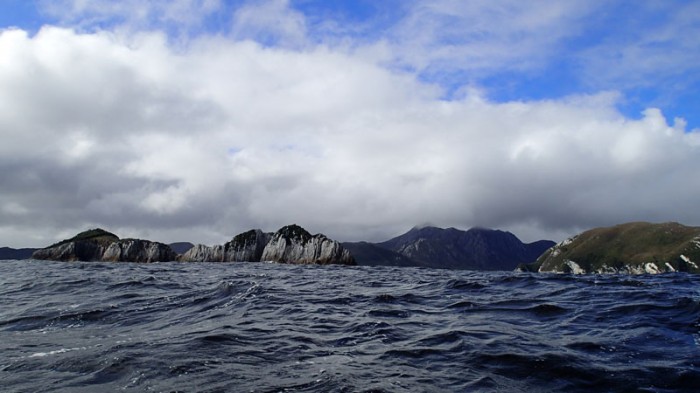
(202, 253)
(556, 250)
(688, 261)
(651, 268)
(575, 268)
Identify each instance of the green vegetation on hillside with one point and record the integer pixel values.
(627, 245)
(96, 235)
(295, 232)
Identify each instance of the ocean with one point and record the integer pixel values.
(259, 327)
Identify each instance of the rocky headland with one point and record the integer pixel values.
(632, 248)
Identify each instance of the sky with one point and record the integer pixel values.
(196, 120)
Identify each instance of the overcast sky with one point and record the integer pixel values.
(199, 119)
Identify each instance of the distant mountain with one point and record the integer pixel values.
(637, 248)
(16, 253)
(474, 249)
(181, 247)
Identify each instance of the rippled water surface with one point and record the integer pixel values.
(212, 327)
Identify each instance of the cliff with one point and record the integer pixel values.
(293, 244)
(634, 248)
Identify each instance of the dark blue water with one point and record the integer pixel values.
(87, 327)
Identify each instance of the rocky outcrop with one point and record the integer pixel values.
(632, 248)
(85, 246)
(72, 251)
(293, 244)
(100, 245)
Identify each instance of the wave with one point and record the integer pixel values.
(263, 327)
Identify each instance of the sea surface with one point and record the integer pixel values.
(257, 327)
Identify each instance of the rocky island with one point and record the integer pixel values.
(290, 244)
(100, 245)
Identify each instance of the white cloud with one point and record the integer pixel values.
(270, 22)
(200, 144)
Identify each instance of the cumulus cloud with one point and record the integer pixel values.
(124, 132)
(271, 22)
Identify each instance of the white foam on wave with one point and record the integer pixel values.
(56, 352)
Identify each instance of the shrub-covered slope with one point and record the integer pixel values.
(638, 247)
